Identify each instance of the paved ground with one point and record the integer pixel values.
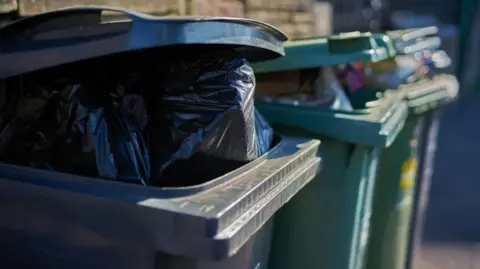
(451, 238)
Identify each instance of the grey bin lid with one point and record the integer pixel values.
(68, 35)
(210, 221)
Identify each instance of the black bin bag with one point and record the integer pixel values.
(78, 118)
(201, 124)
(96, 128)
(206, 123)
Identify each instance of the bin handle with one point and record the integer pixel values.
(46, 19)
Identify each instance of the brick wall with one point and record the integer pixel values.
(294, 17)
(292, 23)
(30, 7)
(222, 8)
(7, 6)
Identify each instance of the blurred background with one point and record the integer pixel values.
(452, 211)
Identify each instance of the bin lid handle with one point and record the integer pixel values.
(66, 17)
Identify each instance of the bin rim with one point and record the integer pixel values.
(427, 95)
(320, 51)
(80, 34)
(377, 126)
(212, 223)
(413, 40)
(387, 42)
(430, 43)
(412, 33)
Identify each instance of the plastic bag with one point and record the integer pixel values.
(332, 85)
(205, 124)
(113, 131)
(391, 73)
(313, 87)
(28, 120)
(201, 120)
(91, 129)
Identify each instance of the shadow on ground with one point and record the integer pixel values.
(453, 211)
(451, 235)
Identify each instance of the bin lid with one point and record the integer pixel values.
(414, 40)
(324, 51)
(377, 125)
(72, 34)
(386, 42)
(427, 95)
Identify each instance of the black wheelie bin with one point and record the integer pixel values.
(55, 219)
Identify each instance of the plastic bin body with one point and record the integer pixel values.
(65, 221)
(394, 198)
(49, 248)
(427, 151)
(395, 191)
(43, 243)
(327, 224)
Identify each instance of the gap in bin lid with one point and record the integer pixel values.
(322, 51)
(73, 34)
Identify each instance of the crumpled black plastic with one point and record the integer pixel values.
(179, 123)
(113, 131)
(206, 121)
(92, 129)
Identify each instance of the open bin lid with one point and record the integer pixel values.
(427, 95)
(68, 35)
(414, 40)
(378, 125)
(324, 51)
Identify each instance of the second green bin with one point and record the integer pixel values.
(397, 173)
(327, 224)
(398, 169)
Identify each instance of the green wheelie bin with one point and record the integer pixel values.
(394, 197)
(327, 224)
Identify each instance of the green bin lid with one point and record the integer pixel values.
(427, 95)
(422, 96)
(413, 40)
(378, 125)
(386, 42)
(324, 51)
